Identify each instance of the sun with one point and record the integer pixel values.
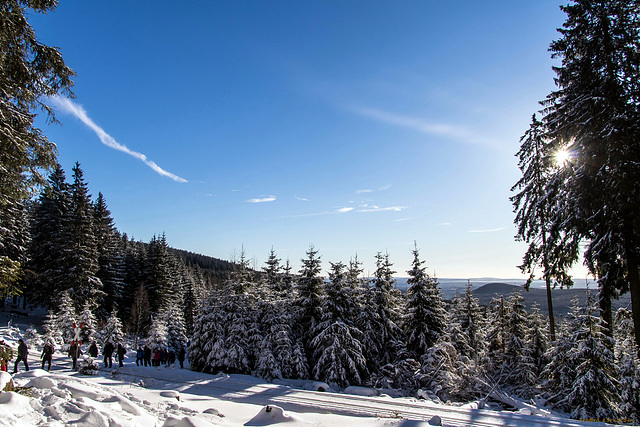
(562, 156)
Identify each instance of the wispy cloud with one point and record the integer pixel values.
(69, 107)
(382, 209)
(402, 219)
(490, 230)
(368, 190)
(422, 125)
(301, 198)
(343, 210)
(262, 200)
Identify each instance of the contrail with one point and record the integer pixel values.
(70, 107)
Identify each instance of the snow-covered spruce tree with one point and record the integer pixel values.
(66, 317)
(519, 370)
(337, 351)
(88, 321)
(158, 271)
(32, 72)
(47, 242)
(628, 364)
(51, 329)
(559, 375)
(80, 258)
(299, 363)
(536, 340)
(425, 315)
(110, 257)
(208, 335)
(380, 316)
(14, 243)
(309, 287)
(442, 370)
(594, 392)
(467, 324)
(174, 321)
(112, 330)
(553, 250)
(465, 332)
(157, 334)
(496, 339)
(32, 337)
(594, 114)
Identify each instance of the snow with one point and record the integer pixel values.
(170, 396)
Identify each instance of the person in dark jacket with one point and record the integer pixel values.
(93, 350)
(23, 352)
(107, 351)
(75, 352)
(121, 352)
(139, 356)
(181, 355)
(147, 356)
(47, 354)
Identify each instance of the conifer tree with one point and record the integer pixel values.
(628, 363)
(380, 318)
(466, 325)
(158, 334)
(87, 319)
(110, 256)
(425, 318)
(309, 298)
(112, 330)
(14, 243)
(594, 114)
(66, 318)
(31, 72)
(337, 350)
(80, 260)
(594, 392)
(48, 239)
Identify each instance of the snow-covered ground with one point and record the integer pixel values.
(170, 396)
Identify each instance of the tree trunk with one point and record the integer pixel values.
(552, 322)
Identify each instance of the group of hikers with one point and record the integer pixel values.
(159, 356)
(144, 356)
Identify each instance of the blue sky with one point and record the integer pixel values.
(355, 126)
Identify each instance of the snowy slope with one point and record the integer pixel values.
(169, 396)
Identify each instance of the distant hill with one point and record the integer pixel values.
(216, 270)
(562, 298)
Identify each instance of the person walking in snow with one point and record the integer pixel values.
(181, 355)
(23, 352)
(147, 356)
(75, 352)
(93, 350)
(108, 354)
(139, 356)
(6, 354)
(47, 354)
(121, 353)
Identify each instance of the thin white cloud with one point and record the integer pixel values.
(384, 187)
(69, 107)
(262, 200)
(423, 126)
(301, 198)
(380, 209)
(490, 230)
(343, 210)
(363, 191)
(402, 219)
